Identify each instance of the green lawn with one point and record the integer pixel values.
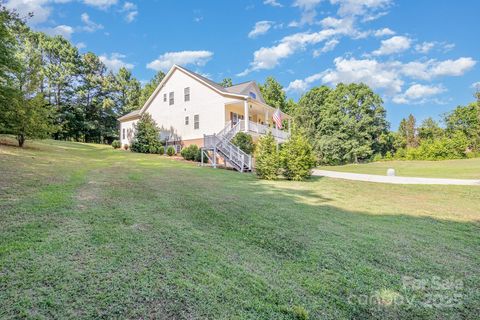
(460, 169)
(91, 232)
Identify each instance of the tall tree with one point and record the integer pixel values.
(407, 131)
(148, 89)
(429, 130)
(226, 82)
(465, 119)
(127, 90)
(344, 124)
(26, 114)
(8, 61)
(272, 92)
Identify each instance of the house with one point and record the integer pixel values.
(191, 109)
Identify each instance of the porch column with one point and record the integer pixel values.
(245, 114)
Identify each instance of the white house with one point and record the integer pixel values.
(189, 108)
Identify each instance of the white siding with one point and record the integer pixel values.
(208, 104)
(129, 130)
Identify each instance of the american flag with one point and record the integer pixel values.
(277, 118)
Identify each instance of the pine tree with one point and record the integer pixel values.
(147, 136)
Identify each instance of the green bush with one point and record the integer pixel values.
(244, 141)
(146, 139)
(198, 156)
(297, 158)
(190, 152)
(116, 144)
(170, 151)
(161, 150)
(267, 159)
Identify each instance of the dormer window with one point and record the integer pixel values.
(253, 95)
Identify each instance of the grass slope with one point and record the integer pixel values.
(90, 232)
(458, 169)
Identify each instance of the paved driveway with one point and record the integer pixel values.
(395, 180)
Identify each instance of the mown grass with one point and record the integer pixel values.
(91, 232)
(459, 169)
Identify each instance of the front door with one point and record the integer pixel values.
(234, 117)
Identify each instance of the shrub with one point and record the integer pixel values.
(147, 134)
(198, 156)
(297, 158)
(267, 160)
(170, 151)
(190, 152)
(161, 150)
(116, 144)
(244, 141)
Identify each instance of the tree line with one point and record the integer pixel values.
(49, 89)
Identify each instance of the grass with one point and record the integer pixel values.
(459, 169)
(91, 232)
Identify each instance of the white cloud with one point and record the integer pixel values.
(168, 59)
(261, 27)
(384, 32)
(376, 74)
(392, 45)
(476, 85)
(269, 57)
(130, 10)
(302, 85)
(272, 3)
(115, 61)
(329, 46)
(418, 93)
(367, 8)
(81, 45)
(101, 4)
(61, 30)
(430, 69)
(424, 47)
(308, 12)
(89, 26)
(40, 9)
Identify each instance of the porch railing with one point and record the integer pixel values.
(264, 129)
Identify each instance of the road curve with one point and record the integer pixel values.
(394, 180)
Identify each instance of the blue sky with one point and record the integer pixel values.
(420, 56)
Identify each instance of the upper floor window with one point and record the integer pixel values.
(186, 120)
(196, 121)
(186, 93)
(164, 97)
(171, 98)
(253, 95)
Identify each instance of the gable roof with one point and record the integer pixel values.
(241, 90)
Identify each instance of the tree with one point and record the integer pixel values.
(226, 82)
(147, 135)
(244, 141)
(148, 89)
(297, 157)
(465, 119)
(127, 89)
(273, 94)
(408, 132)
(344, 124)
(267, 160)
(429, 129)
(26, 114)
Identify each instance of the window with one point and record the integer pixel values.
(164, 97)
(186, 120)
(186, 93)
(196, 121)
(253, 95)
(171, 98)
(123, 133)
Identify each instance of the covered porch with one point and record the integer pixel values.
(255, 118)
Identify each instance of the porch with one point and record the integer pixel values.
(255, 118)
